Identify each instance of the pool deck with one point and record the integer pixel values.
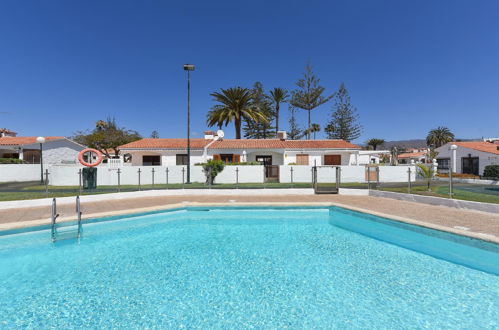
(463, 222)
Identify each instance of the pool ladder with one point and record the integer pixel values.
(65, 230)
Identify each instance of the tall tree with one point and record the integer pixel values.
(295, 132)
(234, 106)
(277, 96)
(344, 118)
(154, 134)
(314, 128)
(439, 136)
(106, 136)
(374, 143)
(309, 94)
(258, 129)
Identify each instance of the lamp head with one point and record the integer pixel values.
(189, 67)
(453, 147)
(40, 139)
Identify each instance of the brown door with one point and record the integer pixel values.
(237, 158)
(332, 159)
(302, 159)
(371, 173)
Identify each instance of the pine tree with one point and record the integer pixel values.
(261, 129)
(308, 95)
(344, 118)
(154, 134)
(295, 132)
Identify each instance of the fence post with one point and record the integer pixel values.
(264, 186)
(119, 180)
(209, 177)
(368, 177)
(450, 181)
(237, 177)
(167, 177)
(152, 172)
(338, 169)
(139, 177)
(377, 177)
(183, 175)
(409, 185)
(80, 179)
(46, 181)
(291, 170)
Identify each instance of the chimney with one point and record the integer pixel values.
(209, 135)
(281, 135)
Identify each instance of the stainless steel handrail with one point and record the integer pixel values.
(54, 217)
(78, 213)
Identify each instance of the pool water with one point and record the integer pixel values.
(241, 268)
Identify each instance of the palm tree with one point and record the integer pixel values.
(277, 96)
(439, 136)
(313, 129)
(427, 173)
(374, 143)
(235, 105)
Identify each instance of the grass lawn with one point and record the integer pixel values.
(35, 191)
(442, 190)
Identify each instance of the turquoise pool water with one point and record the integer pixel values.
(241, 268)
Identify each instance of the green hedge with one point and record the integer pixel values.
(491, 171)
(11, 161)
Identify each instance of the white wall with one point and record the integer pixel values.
(19, 172)
(301, 173)
(168, 157)
(396, 173)
(246, 174)
(61, 175)
(58, 151)
(485, 158)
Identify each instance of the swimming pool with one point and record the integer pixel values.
(249, 267)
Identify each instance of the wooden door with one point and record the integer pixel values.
(332, 159)
(371, 173)
(302, 159)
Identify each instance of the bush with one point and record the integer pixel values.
(491, 171)
(11, 161)
(211, 169)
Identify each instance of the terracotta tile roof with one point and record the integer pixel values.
(282, 144)
(239, 144)
(15, 141)
(412, 154)
(165, 144)
(480, 146)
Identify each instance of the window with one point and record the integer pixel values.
(227, 158)
(151, 160)
(181, 159)
(332, 159)
(302, 159)
(264, 160)
(443, 163)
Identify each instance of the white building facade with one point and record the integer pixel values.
(468, 157)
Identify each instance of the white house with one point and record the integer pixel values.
(366, 157)
(418, 155)
(470, 157)
(56, 149)
(167, 152)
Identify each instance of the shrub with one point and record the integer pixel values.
(491, 171)
(11, 161)
(211, 169)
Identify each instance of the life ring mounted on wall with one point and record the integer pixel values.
(91, 151)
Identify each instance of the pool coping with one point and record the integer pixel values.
(16, 227)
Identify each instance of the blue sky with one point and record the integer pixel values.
(409, 65)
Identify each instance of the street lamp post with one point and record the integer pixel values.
(453, 167)
(188, 68)
(41, 140)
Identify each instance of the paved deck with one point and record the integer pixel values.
(471, 223)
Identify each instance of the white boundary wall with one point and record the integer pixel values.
(19, 172)
(66, 175)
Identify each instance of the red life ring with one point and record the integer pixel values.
(95, 151)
